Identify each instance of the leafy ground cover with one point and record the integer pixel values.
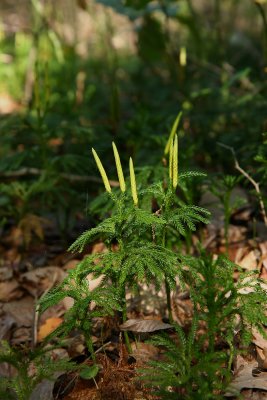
(137, 270)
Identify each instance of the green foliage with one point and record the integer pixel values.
(227, 306)
(140, 250)
(223, 188)
(80, 316)
(192, 367)
(185, 371)
(32, 366)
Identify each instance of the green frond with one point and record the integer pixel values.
(146, 218)
(149, 261)
(188, 216)
(53, 297)
(173, 132)
(191, 174)
(105, 230)
(156, 190)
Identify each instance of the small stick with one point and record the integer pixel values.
(250, 179)
(70, 177)
(37, 313)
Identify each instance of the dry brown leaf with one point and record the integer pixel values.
(71, 264)
(22, 311)
(94, 282)
(41, 279)
(21, 335)
(6, 324)
(258, 339)
(6, 273)
(44, 390)
(144, 325)
(250, 261)
(261, 348)
(9, 290)
(48, 327)
(244, 378)
(250, 394)
(99, 247)
(143, 352)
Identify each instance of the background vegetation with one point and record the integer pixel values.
(84, 73)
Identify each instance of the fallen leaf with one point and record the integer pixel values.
(94, 282)
(39, 280)
(22, 311)
(258, 339)
(6, 323)
(21, 335)
(48, 327)
(99, 247)
(144, 325)
(71, 264)
(244, 379)
(44, 390)
(143, 352)
(6, 273)
(9, 290)
(250, 261)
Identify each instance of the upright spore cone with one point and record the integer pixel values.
(175, 162)
(102, 171)
(133, 182)
(119, 168)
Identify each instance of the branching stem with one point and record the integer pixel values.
(250, 179)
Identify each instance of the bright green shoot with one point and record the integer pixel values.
(102, 171)
(173, 133)
(119, 168)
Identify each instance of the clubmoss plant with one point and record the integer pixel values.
(184, 372)
(141, 252)
(197, 364)
(80, 316)
(138, 244)
(32, 366)
(223, 189)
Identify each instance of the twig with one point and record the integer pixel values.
(250, 179)
(70, 177)
(37, 312)
(102, 347)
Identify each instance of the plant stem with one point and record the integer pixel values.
(90, 347)
(124, 318)
(168, 297)
(167, 286)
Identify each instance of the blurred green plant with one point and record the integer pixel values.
(223, 188)
(31, 368)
